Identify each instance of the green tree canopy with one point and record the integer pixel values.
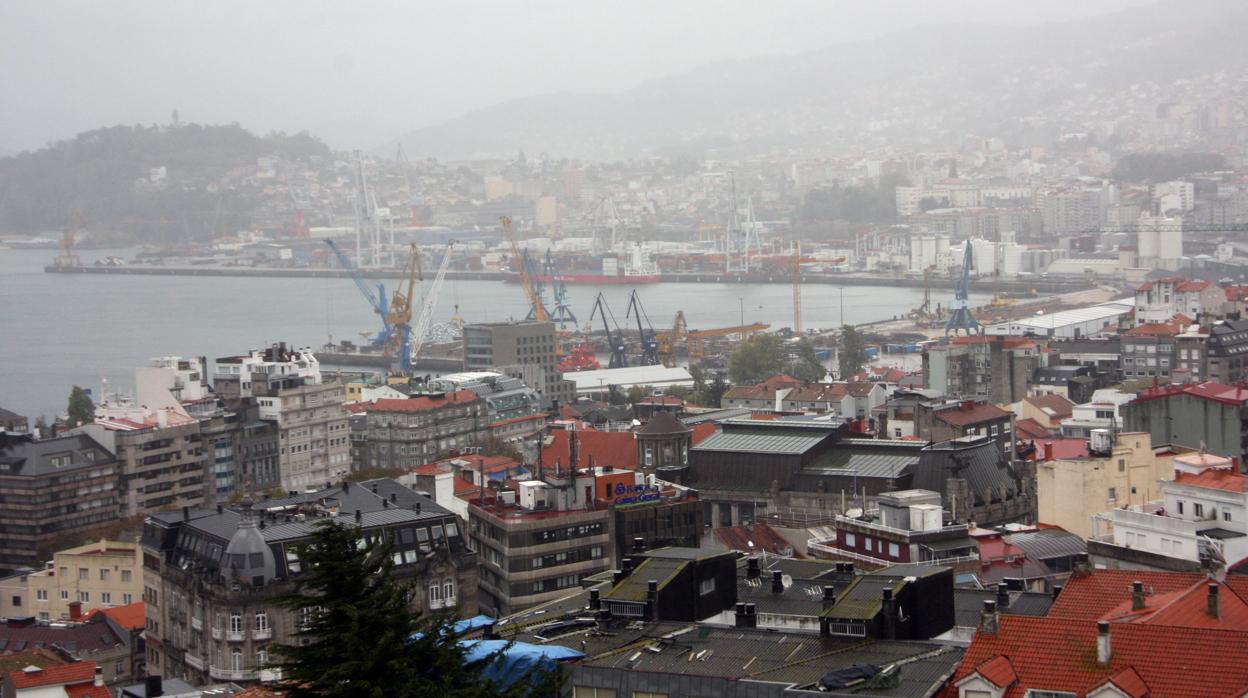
(360, 638)
(756, 359)
(81, 409)
(852, 354)
(807, 367)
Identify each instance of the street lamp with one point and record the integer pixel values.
(741, 302)
(842, 290)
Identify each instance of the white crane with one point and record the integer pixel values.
(431, 300)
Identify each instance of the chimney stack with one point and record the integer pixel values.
(99, 675)
(1003, 595)
(1214, 606)
(639, 544)
(155, 687)
(186, 513)
(75, 610)
(751, 615)
(595, 600)
(652, 598)
(829, 597)
(617, 576)
(359, 516)
(627, 566)
(1057, 591)
(1137, 596)
(777, 582)
(1103, 653)
(739, 617)
(888, 606)
(752, 570)
(989, 621)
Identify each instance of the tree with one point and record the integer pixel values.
(715, 391)
(81, 410)
(807, 367)
(852, 355)
(756, 359)
(359, 637)
(636, 394)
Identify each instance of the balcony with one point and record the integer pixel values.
(216, 633)
(197, 623)
(235, 635)
(223, 674)
(193, 661)
(262, 633)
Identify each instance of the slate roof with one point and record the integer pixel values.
(27, 457)
(979, 460)
(868, 458)
(861, 599)
(85, 637)
(634, 586)
(663, 422)
(1048, 543)
(968, 604)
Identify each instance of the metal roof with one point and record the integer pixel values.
(1048, 543)
(783, 440)
(866, 462)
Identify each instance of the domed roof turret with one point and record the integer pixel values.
(664, 423)
(248, 559)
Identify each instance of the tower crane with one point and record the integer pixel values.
(668, 340)
(400, 315)
(559, 290)
(376, 300)
(535, 279)
(960, 317)
(615, 339)
(526, 282)
(649, 345)
(425, 318)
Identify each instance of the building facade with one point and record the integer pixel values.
(518, 344)
(212, 578)
(408, 433)
(93, 576)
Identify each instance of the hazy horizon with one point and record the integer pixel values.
(363, 75)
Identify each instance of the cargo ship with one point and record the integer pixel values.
(638, 268)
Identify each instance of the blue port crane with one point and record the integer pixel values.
(615, 339)
(649, 343)
(530, 268)
(960, 318)
(562, 314)
(376, 300)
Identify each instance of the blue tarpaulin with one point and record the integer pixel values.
(469, 624)
(515, 659)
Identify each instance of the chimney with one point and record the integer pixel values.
(1214, 607)
(186, 513)
(628, 566)
(739, 617)
(1083, 566)
(751, 614)
(652, 598)
(1003, 595)
(829, 597)
(1103, 653)
(888, 606)
(75, 610)
(617, 576)
(1048, 451)
(155, 687)
(487, 632)
(595, 600)
(849, 568)
(639, 544)
(1137, 596)
(359, 516)
(346, 485)
(220, 508)
(385, 504)
(1057, 591)
(99, 675)
(990, 620)
(777, 582)
(840, 568)
(752, 570)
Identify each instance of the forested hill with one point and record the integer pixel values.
(150, 183)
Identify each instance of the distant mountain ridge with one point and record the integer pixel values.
(971, 78)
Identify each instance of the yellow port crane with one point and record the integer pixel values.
(667, 340)
(399, 314)
(526, 283)
(696, 337)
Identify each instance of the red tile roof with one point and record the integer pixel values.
(1030, 429)
(762, 536)
(1060, 406)
(1092, 596)
(1063, 449)
(88, 690)
(999, 671)
(1217, 392)
(422, 403)
(462, 486)
(1055, 654)
(1214, 478)
(1155, 329)
(703, 430)
(131, 616)
(961, 416)
(1192, 286)
(1187, 608)
(1130, 683)
(614, 448)
(77, 672)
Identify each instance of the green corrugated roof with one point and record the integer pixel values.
(864, 464)
(789, 441)
(861, 599)
(633, 587)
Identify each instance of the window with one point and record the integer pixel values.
(64, 595)
(894, 550)
(851, 540)
(84, 596)
(1199, 510)
(1040, 693)
(591, 692)
(126, 576)
(1113, 494)
(42, 594)
(262, 621)
(106, 597)
(866, 543)
(435, 596)
(17, 601)
(127, 599)
(236, 659)
(1226, 515)
(104, 574)
(262, 657)
(1180, 506)
(647, 694)
(448, 592)
(236, 622)
(83, 573)
(706, 586)
(1122, 464)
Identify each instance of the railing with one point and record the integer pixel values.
(223, 674)
(193, 661)
(952, 528)
(197, 623)
(948, 560)
(813, 547)
(262, 633)
(216, 633)
(235, 635)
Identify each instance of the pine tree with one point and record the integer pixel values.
(359, 637)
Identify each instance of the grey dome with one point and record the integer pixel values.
(248, 559)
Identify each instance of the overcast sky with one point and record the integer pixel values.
(360, 72)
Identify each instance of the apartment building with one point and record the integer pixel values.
(76, 581)
(52, 488)
(406, 433)
(515, 348)
(993, 368)
(160, 457)
(213, 578)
